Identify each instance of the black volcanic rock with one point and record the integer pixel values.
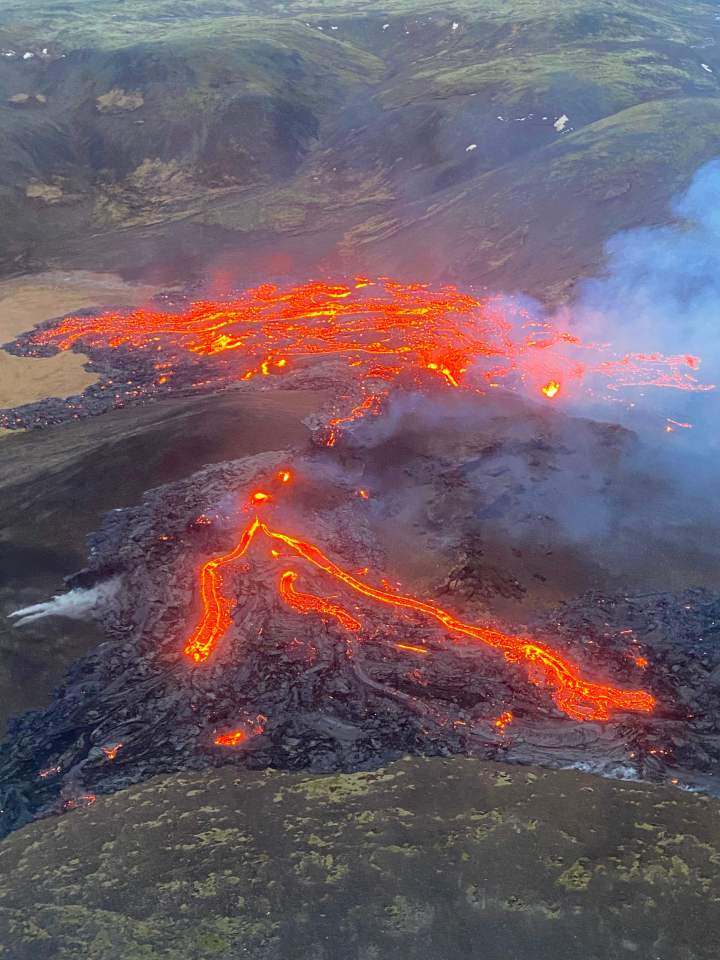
(320, 698)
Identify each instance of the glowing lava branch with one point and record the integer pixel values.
(578, 698)
(372, 404)
(217, 607)
(410, 648)
(307, 603)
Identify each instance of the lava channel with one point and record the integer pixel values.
(578, 698)
(383, 330)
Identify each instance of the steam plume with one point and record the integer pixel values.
(79, 604)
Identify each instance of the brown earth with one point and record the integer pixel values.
(31, 300)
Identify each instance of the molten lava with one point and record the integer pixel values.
(241, 734)
(578, 698)
(503, 720)
(411, 648)
(232, 739)
(383, 330)
(307, 603)
(551, 389)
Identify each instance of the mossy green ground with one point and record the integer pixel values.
(333, 136)
(424, 859)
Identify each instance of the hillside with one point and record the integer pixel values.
(425, 858)
(500, 143)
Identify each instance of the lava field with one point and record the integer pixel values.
(250, 609)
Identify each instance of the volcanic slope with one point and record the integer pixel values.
(212, 649)
(273, 865)
(519, 135)
(56, 485)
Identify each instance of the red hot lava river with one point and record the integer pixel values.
(382, 329)
(575, 696)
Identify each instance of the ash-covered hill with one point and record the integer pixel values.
(485, 140)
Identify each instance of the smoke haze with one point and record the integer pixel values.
(661, 292)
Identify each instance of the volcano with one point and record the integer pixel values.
(253, 611)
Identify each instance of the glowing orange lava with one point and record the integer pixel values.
(384, 330)
(578, 698)
(307, 603)
(232, 739)
(111, 752)
(411, 648)
(241, 734)
(551, 389)
(503, 720)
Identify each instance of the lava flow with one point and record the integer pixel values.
(382, 329)
(578, 698)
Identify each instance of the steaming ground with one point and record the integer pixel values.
(78, 604)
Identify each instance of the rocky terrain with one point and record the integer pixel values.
(329, 702)
(199, 147)
(57, 484)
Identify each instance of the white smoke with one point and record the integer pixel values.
(79, 604)
(661, 292)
